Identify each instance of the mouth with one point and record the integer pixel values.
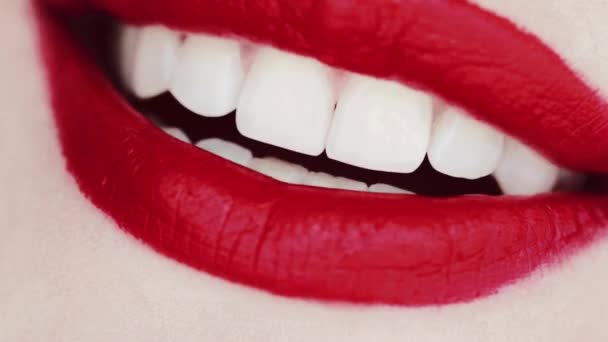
(400, 153)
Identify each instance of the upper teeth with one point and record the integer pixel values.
(374, 119)
(300, 104)
(154, 58)
(208, 76)
(464, 147)
(286, 101)
(523, 171)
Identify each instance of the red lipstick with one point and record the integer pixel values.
(338, 245)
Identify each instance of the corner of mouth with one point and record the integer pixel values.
(208, 207)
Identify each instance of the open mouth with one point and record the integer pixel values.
(330, 151)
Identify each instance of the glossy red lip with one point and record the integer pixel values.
(335, 245)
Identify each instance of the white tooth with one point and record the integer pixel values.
(323, 180)
(177, 134)
(381, 125)
(387, 189)
(286, 101)
(154, 61)
(128, 47)
(522, 171)
(349, 184)
(464, 147)
(227, 150)
(209, 75)
(279, 170)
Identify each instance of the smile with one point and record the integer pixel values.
(407, 153)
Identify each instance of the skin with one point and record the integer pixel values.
(69, 274)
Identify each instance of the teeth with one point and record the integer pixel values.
(522, 171)
(349, 184)
(464, 147)
(209, 75)
(286, 101)
(388, 189)
(227, 150)
(323, 180)
(380, 125)
(154, 61)
(279, 170)
(177, 134)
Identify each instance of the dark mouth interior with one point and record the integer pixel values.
(425, 181)
(98, 34)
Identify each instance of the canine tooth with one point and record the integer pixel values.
(154, 61)
(464, 147)
(324, 180)
(227, 150)
(209, 75)
(287, 101)
(522, 171)
(279, 170)
(387, 189)
(177, 134)
(380, 125)
(128, 47)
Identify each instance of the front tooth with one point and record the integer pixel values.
(209, 75)
(522, 171)
(464, 147)
(286, 101)
(380, 125)
(387, 189)
(324, 180)
(279, 170)
(227, 150)
(154, 61)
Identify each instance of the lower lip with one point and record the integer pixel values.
(290, 240)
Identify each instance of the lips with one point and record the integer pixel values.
(338, 245)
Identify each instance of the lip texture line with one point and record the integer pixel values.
(466, 55)
(296, 241)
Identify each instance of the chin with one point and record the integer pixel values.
(303, 171)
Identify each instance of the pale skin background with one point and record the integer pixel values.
(68, 274)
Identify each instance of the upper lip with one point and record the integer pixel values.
(466, 55)
(331, 244)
